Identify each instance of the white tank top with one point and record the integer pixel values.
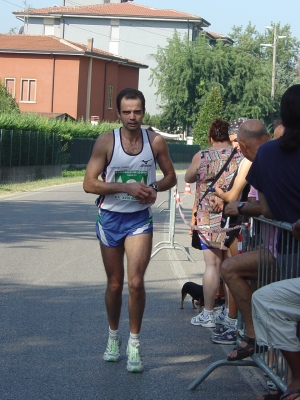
(128, 168)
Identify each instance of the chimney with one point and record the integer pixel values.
(90, 44)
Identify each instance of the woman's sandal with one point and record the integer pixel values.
(244, 352)
(289, 393)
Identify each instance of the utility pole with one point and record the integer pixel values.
(274, 28)
(274, 64)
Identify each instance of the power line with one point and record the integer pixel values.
(101, 34)
(13, 4)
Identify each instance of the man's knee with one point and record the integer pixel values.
(136, 285)
(228, 268)
(242, 266)
(115, 287)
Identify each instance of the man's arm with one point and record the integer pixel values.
(92, 184)
(250, 209)
(264, 206)
(161, 152)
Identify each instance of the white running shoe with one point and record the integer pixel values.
(134, 362)
(112, 352)
(220, 317)
(207, 322)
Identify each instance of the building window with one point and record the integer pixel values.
(110, 97)
(114, 36)
(115, 33)
(49, 26)
(10, 85)
(28, 90)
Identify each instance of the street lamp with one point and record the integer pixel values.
(274, 28)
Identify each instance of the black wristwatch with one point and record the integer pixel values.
(239, 208)
(154, 186)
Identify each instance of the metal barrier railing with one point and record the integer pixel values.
(171, 243)
(279, 258)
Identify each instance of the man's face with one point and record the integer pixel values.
(278, 131)
(131, 114)
(234, 142)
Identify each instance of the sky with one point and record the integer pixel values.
(222, 14)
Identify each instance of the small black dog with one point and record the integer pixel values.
(195, 291)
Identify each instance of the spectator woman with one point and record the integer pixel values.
(204, 167)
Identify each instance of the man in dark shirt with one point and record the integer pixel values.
(279, 196)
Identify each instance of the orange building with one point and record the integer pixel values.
(46, 74)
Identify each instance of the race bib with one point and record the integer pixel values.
(130, 177)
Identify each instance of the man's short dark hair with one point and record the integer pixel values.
(130, 93)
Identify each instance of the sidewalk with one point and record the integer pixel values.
(54, 328)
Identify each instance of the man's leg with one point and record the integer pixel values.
(113, 262)
(113, 259)
(293, 359)
(138, 252)
(276, 312)
(235, 271)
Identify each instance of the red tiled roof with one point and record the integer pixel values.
(217, 35)
(41, 43)
(113, 9)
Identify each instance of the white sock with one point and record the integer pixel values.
(113, 333)
(231, 321)
(207, 312)
(134, 337)
(226, 311)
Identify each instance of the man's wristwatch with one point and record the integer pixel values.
(154, 186)
(239, 208)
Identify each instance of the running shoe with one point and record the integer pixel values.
(227, 337)
(206, 322)
(134, 362)
(220, 317)
(222, 328)
(112, 352)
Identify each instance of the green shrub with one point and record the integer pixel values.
(7, 103)
(66, 129)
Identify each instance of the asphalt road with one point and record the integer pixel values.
(53, 322)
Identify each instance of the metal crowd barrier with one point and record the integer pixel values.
(171, 243)
(275, 238)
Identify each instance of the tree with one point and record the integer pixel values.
(7, 103)
(213, 108)
(187, 71)
(176, 82)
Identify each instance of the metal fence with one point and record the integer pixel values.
(279, 258)
(26, 148)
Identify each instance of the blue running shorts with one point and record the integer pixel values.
(205, 247)
(113, 227)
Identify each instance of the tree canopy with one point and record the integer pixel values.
(187, 71)
(212, 109)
